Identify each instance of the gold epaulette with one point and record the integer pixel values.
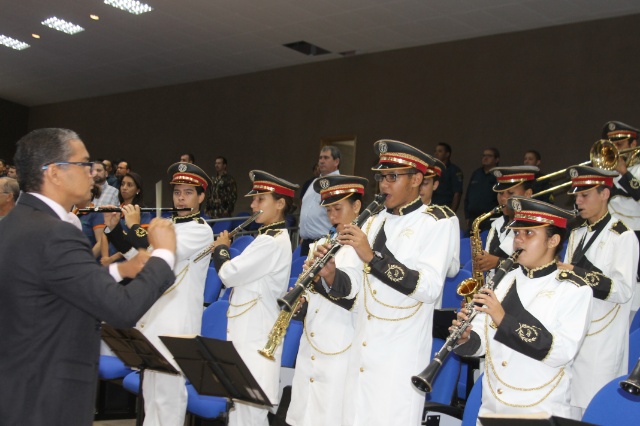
(273, 232)
(619, 227)
(439, 212)
(571, 277)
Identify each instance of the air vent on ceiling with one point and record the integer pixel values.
(306, 48)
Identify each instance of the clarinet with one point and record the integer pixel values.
(424, 380)
(209, 249)
(288, 301)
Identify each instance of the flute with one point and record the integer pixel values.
(239, 228)
(142, 209)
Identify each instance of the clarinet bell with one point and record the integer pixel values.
(632, 383)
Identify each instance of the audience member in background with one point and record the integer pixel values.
(533, 158)
(315, 170)
(133, 223)
(480, 197)
(9, 192)
(188, 158)
(108, 194)
(11, 172)
(449, 190)
(314, 223)
(122, 169)
(92, 223)
(3, 168)
(223, 192)
(111, 177)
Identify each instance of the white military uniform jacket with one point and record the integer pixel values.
(546, 320)
(393, 329)
(179, 310)
(604, 354)
(444, 212)
(321, 366)
(499, 241)
(258, 276)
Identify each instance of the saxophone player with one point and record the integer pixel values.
(604, 251)
(531, 326)
(510, 182)
(257, 277)
(321, 365)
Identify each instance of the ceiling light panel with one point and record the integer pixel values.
(62, 25)
(13, 43)
(131, 6)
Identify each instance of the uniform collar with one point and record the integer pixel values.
(275, 225)
(541, 271)
(183, 219)
(598, 224)
(408, 208)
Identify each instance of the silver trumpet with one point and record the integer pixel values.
(207, 251)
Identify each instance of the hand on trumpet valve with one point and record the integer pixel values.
(487, 302)
(131, 214)
(223, 238)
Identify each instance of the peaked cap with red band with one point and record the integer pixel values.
(188, 174)
(396, 155)
(508, 177)
(532, 213)
(335, 188)
(584, 178)
(264, 183)
(617, 130)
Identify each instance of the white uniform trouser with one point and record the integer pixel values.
(248, 415)
(165, 399)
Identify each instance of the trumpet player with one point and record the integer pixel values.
(405, 257)
(179, 310)
(258, 277)
(530, 327)
(510, 182)
(321, 366)
(604, 252)
(625, 198)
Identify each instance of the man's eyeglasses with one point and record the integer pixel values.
(391, 177)
(87, 165)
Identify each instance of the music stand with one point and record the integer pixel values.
(539, 419)
(215, 368)
(136, 351)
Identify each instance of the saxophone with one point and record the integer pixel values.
(467, 288)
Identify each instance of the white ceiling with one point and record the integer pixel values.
(190, 40)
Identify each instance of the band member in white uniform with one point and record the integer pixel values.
(603, 251)
(179, 310)
(511, 182)
(404, 253)
(321, 366)
(625, 197)
(531, 325)
(258, 277)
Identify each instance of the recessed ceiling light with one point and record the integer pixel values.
(35, 35)
(131, 6)
(13, 43)
(62, 25)
(94, 17)
(306, 48)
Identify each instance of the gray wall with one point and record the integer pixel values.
(550, 89)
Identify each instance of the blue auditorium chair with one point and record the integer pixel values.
(212, 286)
(613, 406)
(241, 243)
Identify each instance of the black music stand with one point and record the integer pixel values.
(215, 368)
(136, 351)
(541, 419)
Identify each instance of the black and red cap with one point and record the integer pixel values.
(532, 213)
(584, 178)
(264, 183)
(335, 188)
(616, 130)
(188, 174)
(508, 177)
(396, 155)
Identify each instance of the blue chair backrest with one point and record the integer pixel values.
(483, 237)
(445, 382)
(465, 250)
(241, 243)
(233, 252)
(451, 299)
(472, 406)
(564, 249)
(613, 406)
(468, 266)
(296, 253)
(635, 323)
(224, 225)
(226, 294)
(296, 266)
(214, 320)
(212, 286)
(634, 348)
(291, 344)
(244, 216)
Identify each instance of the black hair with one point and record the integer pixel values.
(535, 153)
(289, 207)
(551, 230)
(139, 197)
(224, 160)
(446, 146)
(192, 157)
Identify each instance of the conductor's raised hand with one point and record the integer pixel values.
(131, 215)
(133, 266)
(223, 239)
(352, 235)
(162, 234)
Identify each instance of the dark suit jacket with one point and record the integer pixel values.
(53, 295)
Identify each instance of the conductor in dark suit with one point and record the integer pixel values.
(54, 294)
